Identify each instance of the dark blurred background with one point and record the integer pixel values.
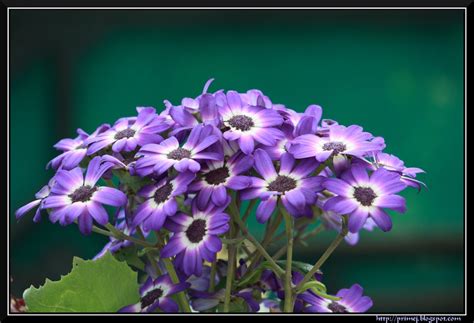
(397, 73)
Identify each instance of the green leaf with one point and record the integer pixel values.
(130, 255)
(102, 285)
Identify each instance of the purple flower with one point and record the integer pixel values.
(74, 150)
(160, 201)
(75, 197)
(156, 294)
(40, 196)
(394, 164)
(159, 158)
(128, 133)
(219, 176)
(340, 140)
(351, 301)
(195, 238)
(361, 196)
(248, 124)
(292, 184)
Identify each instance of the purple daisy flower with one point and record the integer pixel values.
(74, 150)
(74, 196)
(292, 184)
(351, 301)
(248, 124)
(156, 294)
(159, 158)
(340, 140)
(361, 196)
(40, 196)
(128, 133)
(160, 201)
(195, 237)
(220, 176)
(395, 164)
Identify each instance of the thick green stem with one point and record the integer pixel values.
(288, 305)
(182, 300)
(325, 255)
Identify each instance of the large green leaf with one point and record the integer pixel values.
(102, 285)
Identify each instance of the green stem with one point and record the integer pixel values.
(231, 255)
(299, 237)
(288, 305)
(325, 255)
(103, 232)
(236, 217)
(150, 257)
(122, 236)
(182, 301)
(212, 278)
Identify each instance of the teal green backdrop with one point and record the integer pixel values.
(397, 73)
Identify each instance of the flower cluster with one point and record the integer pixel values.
(184, 181)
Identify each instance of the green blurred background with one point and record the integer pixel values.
(397, 73)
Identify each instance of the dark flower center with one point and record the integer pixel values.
(196, 231)
(241, 122)
(151, 297)
(82, 194)
(336, 146)
(179, 153)
(337, 308)
(163, 193)
(217, 176)
(365, 195)
(127, 133)
(282, 184)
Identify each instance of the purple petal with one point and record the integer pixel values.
(357, 219)
(110, 196)
(246, 144)
(265, 209)
(239, 182)
(264, 165)
(98, 212)
(219, 195)
(381, 218)
(85, 223)
(168, 305)
(340, 205)
(24, 209)
(173, 247)
(394, 202)
(338, 187)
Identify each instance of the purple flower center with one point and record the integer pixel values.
(127, 133)
(217, 176)
(151, 297)
(241, 122)
(337, 308)
(282, 184)
(82, 194)
(365, 195)
(179, 153)
(196, 231)
(163, 193)
(336, 146)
